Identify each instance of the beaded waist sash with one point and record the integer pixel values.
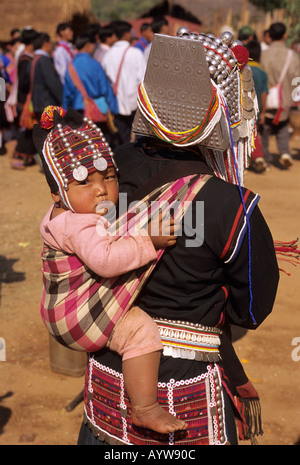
(189, 341)
(199, 401)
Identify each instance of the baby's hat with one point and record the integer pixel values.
(71, 147)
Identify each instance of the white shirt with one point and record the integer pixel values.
(132, 73)
(61, 58)
(100, 51)
(264, 46)
(147, 52)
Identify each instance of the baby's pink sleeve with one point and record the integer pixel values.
(86, 236)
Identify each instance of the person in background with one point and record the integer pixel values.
(107, 37)
(93, 78)
(146, 37)
(15, 33)
(160, 25)
(265, 44)
(273, 61)
(64, 51)
(246, 34)
(258, 163)
(9, 58)
(47, 87)
(14, 49)
(25, 149)
(125, 67)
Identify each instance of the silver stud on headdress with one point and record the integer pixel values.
(226, 37)
(227, 134)
(224, 71)
(183, 32)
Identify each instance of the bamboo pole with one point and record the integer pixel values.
(228, 21)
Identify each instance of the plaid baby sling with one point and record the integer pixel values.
(79, 308)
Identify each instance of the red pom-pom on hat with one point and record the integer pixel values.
(46, 121)
(242, 55)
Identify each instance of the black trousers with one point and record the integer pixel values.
(124, 126)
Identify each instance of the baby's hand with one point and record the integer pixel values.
(162, 232)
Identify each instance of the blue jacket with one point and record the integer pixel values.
(141, 44)
(95, 81)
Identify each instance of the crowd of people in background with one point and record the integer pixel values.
(107, 63)
(272, 64)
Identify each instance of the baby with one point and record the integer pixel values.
(80, 171)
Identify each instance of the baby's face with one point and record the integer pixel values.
(102, 186)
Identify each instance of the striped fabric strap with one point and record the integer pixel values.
(189, 341)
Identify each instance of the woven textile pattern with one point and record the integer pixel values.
(79, 308)
(107, 409)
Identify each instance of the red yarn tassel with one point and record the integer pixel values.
(284, 250)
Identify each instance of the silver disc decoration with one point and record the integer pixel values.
(100, 164)
(80, 173)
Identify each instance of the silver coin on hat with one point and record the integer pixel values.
(100, 164)
(80, 173)
(248, 103)
(248, 114)
(243, 130)
(247, 74)
(248, 85)
(235, 134)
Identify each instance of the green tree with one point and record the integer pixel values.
(120, 9)
(96, 9)
(268, 5)
(292, 19)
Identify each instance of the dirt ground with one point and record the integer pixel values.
(33, 398)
